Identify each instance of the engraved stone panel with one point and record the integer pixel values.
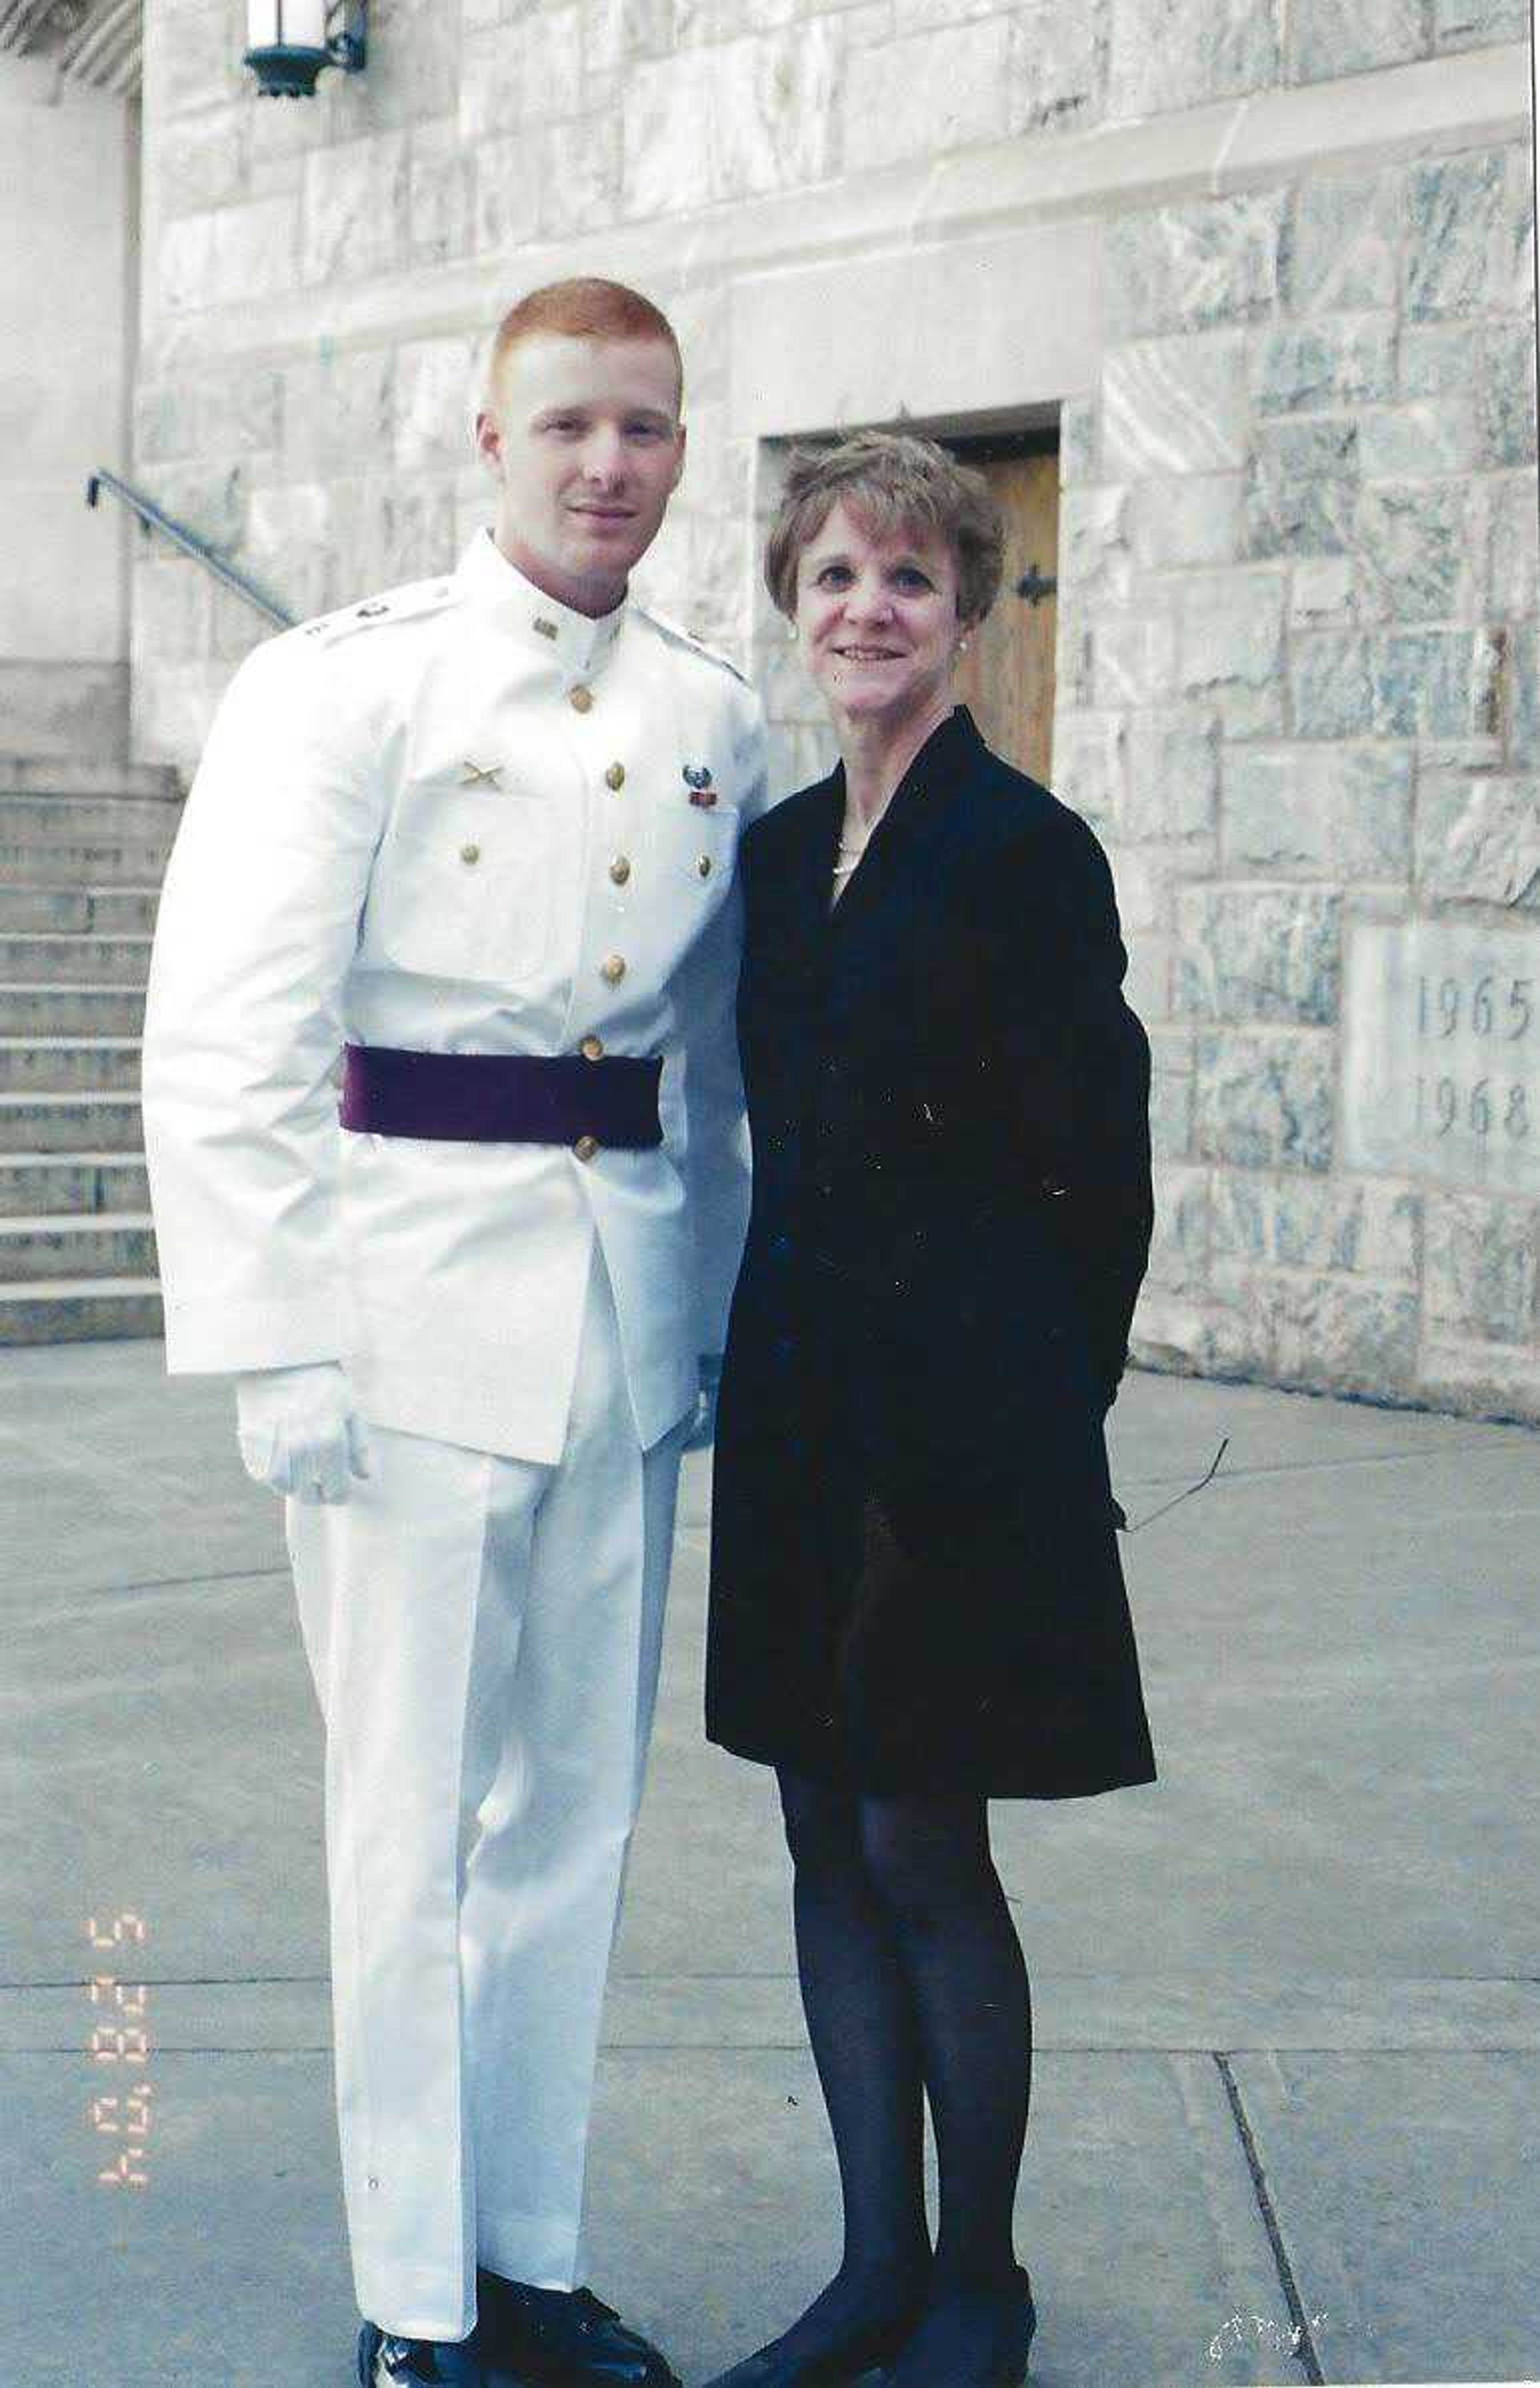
(1440, 1053)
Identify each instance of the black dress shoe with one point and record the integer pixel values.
(385, 2361)
(560, 2338)
(836, 2366)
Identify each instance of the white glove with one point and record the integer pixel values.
(300, 1432)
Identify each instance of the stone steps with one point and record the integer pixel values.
(51, 775)
(102, 1243)
(31, 959)
(71, 1310)
(64, 1011)
(69, 1124)
(84, 847)
(69, 1066)
(124, 912)
(84, 820)
(54, 1184)
(39, 863)
(44, 911)
(82, 856)
(77, 911)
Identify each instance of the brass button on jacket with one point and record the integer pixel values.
(621, 869)
(581, 699)
(470, 854)
(592, 1049)
(614, 969)
(586, 1147)
(703, 866)
(616, 776)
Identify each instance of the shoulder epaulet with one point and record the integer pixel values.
(412, 598)
(692, 638)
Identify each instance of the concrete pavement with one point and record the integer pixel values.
(1288, 2000)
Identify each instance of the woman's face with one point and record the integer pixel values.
(877, 618)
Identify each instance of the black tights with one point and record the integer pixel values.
(914, 1988)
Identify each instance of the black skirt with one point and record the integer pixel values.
(879, 1619)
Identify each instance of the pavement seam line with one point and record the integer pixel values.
(1305, 2345)
(1263, 1467)
(175, 1583)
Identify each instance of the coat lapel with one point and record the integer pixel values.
(806, 891)
(916, 812)
(918, 808)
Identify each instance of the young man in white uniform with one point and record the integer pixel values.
(475, 839)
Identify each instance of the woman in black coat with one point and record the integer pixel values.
(916, 1599)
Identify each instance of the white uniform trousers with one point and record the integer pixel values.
(484, 1634)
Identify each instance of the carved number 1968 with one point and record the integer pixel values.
(1491, 1007)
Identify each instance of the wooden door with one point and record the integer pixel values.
(1006, 678)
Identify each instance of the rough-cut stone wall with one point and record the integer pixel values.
(329, 448)
(1298, 661)
(1298, 696)
(67, 268)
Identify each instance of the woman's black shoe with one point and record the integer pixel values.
(838, 2366)
(993, 2356)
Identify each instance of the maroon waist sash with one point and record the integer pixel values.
(500, 1097)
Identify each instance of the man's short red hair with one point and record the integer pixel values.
(583, 308)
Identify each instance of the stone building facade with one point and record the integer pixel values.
(69, 212)
(1268, 268)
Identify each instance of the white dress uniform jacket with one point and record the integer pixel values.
(453, 819)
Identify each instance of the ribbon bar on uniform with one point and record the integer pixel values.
(500, 1097)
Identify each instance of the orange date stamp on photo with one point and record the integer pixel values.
(120, 2037)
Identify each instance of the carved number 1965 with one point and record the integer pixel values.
(1491, 1007)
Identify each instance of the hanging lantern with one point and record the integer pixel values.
(290, 41)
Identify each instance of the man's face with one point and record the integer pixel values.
(584, 440)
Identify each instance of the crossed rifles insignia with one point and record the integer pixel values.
(698, 777)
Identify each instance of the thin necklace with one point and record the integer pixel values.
(849, 854)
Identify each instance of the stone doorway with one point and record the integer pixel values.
(1006, 679)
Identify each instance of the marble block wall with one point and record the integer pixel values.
(1298, 615)
(1297, 696)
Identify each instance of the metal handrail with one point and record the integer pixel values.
(151, 516)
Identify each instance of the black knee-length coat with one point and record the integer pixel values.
(915, 1583)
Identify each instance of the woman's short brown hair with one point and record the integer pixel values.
(890, 480)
